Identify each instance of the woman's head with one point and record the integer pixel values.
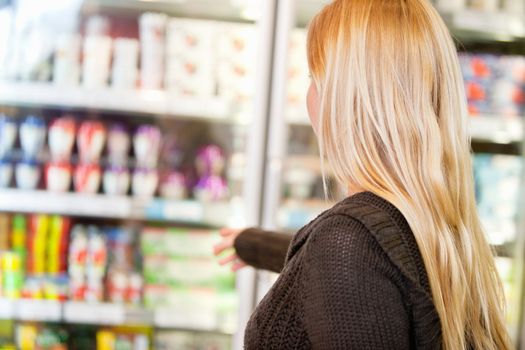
(388, 107)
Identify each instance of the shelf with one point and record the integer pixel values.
(487, 128)
(486, 26)
(225, 10)
(102, 206)
(147, 102)
(31, 310)
(106, 314)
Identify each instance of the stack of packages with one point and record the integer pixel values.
(181, 274)
(33, 257)
(103, 266)
(495, 85)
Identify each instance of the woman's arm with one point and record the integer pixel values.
(262, 249)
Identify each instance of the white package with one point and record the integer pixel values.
(237, 40)
(66, 69)
(97, 59)
(152, 44)
(125, 63)
(189, 75)
(191, 37)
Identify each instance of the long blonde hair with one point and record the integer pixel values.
(393, 121)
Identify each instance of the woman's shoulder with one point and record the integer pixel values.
(369, 227)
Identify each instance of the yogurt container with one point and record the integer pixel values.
(118, 144)
(58, 176)
(8, 130)
(62, 138)
(173, 186)
(27, 175)
(91, 139)
(211, 188)
(210, 160)
(116, 181)
(87, 178)
(146, 144)
(32, 136)
(6, 173)
(145, 182)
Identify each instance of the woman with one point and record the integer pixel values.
(402, 263)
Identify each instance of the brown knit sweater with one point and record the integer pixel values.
(352, 279)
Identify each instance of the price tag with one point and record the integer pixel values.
(94, 313)
(38, 310)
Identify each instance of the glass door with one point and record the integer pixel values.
(490, 40)
(129, 133)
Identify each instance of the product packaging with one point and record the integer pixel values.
(87, 178)
(125, 63)
(91, 139)
(32, 136)
(66, 67)
(27, 175)
(6, 173)
(97, 59)
(58, 176)
(62, 138)
(116, 181)
(8, 131)
(152, 45)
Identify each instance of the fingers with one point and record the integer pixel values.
(226, 231)
(238, 265)
(222, 246)
(228, 259)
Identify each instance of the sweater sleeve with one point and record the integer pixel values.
(263, 249)
(351, 300)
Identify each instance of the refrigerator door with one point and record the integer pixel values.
(141, 113)
(295, 192)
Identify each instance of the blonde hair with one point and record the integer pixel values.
(393, 121)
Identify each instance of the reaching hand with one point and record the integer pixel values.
(228, 237)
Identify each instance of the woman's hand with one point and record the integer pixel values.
(228, 237)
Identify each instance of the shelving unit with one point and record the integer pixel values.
(492, 128)
(474, 25)
(101, 314)
(213, 214)
(127, 102)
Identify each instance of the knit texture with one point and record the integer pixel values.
(262, 249)
(353, 279)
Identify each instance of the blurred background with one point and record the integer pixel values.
(131, 130)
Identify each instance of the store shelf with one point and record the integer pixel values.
(73, 204)
(31, 310)
(497, 129)
(488, 128)
(102, 206)
(483, 25)
(106, 314)
(225, 10)
(148, 102)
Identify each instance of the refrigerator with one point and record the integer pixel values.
(130, 132)
(490, 57)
